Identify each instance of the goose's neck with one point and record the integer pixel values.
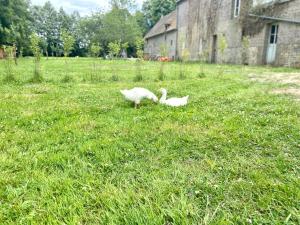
(163, 97)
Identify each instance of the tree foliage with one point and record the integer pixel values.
(139, 43)
(155, 9)
(68, 42)
(35, 42)
(14, 23)
(119, 24)
(114, 48)
(95, 50)
(122, 23)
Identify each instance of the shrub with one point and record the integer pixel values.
(140, 57)
(36, 50)
(245, 49)
(203, 56)
(67, 79)
(185, 57)
(94, 52)
(9, 64)
(114, 49)
(68, 43)
(138, 74)
(114, 77)
(222, 46)
(201, 75)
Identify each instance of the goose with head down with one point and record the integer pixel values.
(137, 94)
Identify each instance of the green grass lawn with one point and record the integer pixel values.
(77, 153)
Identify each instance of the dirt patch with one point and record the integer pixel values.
(282, 78)
(288, 91)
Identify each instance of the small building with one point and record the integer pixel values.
(255, 32)
(162, 38)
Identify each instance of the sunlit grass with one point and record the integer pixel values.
(76, 153)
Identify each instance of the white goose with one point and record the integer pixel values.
(174, 102)
(137, 94)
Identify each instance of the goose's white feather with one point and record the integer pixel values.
(174, 102)
(137, 94)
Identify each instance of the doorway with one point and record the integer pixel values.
(214, 49)
(272, 44)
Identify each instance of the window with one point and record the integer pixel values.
(236, 8)
(171, 42)
(274, 34)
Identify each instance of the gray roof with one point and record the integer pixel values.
(165, 24)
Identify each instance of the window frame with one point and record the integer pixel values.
(273, 36)
(236, 8)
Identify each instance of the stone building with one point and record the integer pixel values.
(162, 35)
(251, 31)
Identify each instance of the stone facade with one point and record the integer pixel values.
(162, 36)
(153, 45)
(182, 13)
(203, 24)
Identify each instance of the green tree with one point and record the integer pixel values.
(49, 23)
(139, 43)
(46, 25)
(90, 30)
(68, 45)
(122, 4)
(155, 9)
(68, 42)
(94, 52)
(119, 24)
(142, 22)
(114, 49)
(15, 23)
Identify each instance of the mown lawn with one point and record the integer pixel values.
(77, 153)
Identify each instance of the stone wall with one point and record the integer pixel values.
(288, 44)
(153, 45)
(207, 18)
(198, 21)
(229, 26)
(182, 26)
(257, 47)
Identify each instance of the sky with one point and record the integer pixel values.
(84, 7)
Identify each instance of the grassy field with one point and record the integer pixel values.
(76, 153)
